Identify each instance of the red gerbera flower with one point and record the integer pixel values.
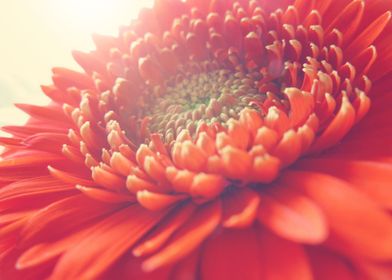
(210, 140)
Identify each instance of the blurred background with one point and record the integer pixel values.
(40, 34)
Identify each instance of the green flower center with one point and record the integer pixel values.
(212, 98)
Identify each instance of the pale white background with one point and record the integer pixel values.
(36, 35)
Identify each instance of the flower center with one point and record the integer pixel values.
(209, 97)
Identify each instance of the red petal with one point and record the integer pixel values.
(164, 231)
(89, 62)
(189, 237)
(292, 216)
(282, 259)
(337, 129)
(157, 201)
(367, 36)
(187, 268)
(232, 255)
(237, 163)
(240, 208)
(364, 61)
(105, 196)
(43, 252)
(372, 178)
(28, 158)
(369, 270)
(365, 228)
(327, 265)
(52, 113)
(24, 193)
(207, 185)
(347, 21)
(64, 215)
(64, 78)
(111, 238)
(107, 179)
(70, 178)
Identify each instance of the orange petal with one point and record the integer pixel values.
(362, 105)
(104, 195)
(193, 156)
(292, 216)
(207, 185)
(154, 168)
(347, 21)
(301, 105)
(372, 178)
(206, 143)
(267, 137)
(238, 133)
(237, 163)
(107, 179)
(359, 222)
(364, 61)
(88, 62)
(121, 164)
(367, 36)
(156, 201)
(112, 237)
(68, 78)
(69, 177)
(189, 236)
(265, 168)
(63, 216)
(28, 158)
(289, 147)
(44, 112)
(337, 129)
(135, 184)
(164, 231)
(44, 252)
(240, 208)
(181, 180)
(251, 119)
(277, 120)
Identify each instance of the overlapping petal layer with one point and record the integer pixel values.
(210, 140)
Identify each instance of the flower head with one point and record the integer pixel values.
(210, 140)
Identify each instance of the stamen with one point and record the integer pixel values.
(211, 97)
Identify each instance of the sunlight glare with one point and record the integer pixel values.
(38, 35)
(94, 15)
